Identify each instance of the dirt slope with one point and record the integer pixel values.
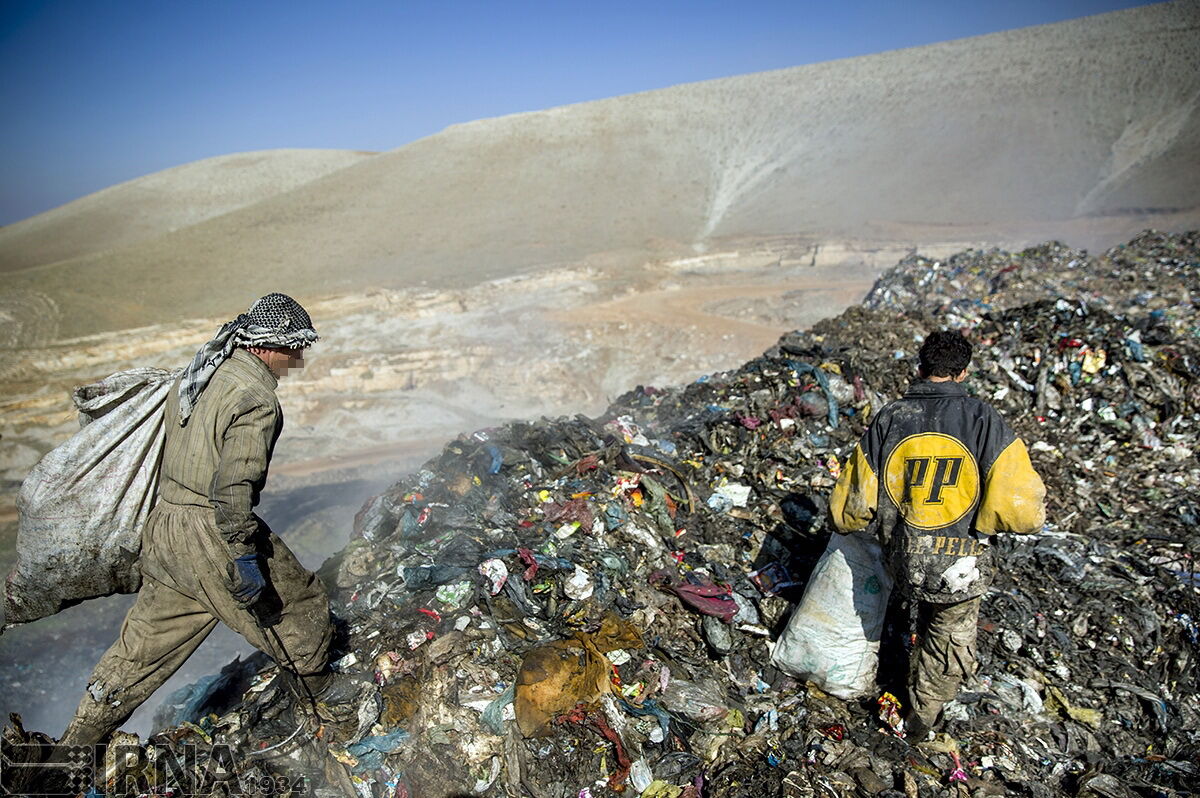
(158, 203)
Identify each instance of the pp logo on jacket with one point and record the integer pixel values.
(932, 479)
(935, 474)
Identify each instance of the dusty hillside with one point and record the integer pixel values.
(1083, 130)
(150, 206)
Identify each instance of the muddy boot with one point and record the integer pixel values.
(915, 729)
(66, 767)
(48, 769)
(22, 755)
(284, 719)
(336, 694)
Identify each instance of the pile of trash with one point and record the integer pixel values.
(587, 607)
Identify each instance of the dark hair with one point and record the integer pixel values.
(945, 353)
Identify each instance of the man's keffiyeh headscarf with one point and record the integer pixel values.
(275, 322)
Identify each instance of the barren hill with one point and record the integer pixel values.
(150, 206)
(1086, 130)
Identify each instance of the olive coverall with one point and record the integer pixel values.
(212, 472)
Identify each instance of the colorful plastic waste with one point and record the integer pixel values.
(683, 525)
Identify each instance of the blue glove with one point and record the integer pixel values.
(247, 579)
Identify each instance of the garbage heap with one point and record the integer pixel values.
(580, 606)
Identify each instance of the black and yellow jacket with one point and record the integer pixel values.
(936, 474)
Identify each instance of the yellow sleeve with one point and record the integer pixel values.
(856, 494)
(1014, 498)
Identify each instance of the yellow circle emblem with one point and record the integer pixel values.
(933, 479)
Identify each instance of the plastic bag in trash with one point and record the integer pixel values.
(833, 636)
(557, 676)
(82, 507)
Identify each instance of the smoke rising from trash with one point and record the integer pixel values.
(661, 545)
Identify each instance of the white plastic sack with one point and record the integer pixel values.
(832, 639)
(82, 507)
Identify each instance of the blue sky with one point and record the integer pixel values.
(96, 92)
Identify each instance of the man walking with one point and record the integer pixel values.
(937, 473)
(206, 557)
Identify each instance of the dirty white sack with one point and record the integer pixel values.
(832, 638)
(82, 508)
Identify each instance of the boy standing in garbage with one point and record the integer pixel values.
(935, 476)
(206, 556)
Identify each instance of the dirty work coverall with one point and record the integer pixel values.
(937, 473)
(211, 475)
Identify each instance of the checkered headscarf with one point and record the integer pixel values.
(276, 321)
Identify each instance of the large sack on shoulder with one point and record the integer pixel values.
(82, 508)
(833, 636)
